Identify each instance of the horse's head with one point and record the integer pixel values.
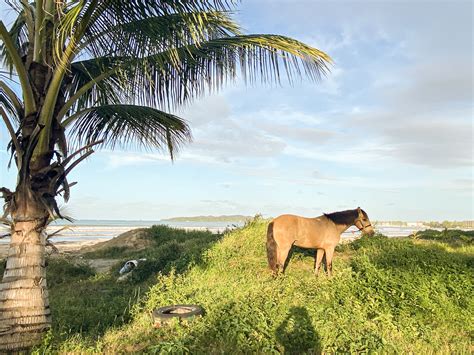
(363, 223)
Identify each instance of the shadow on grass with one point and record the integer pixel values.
(89, 304)
(243, 326)
(296, 333)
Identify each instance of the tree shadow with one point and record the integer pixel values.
(297, 334)
(244, 327)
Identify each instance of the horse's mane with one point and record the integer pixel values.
(344, 217)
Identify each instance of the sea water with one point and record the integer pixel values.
(85, 230)
(88, 230)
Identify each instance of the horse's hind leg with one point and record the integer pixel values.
(318, 257)
(329, 254)
(272, 250)
(283, 251)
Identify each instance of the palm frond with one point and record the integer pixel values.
(129, 124)
(19, 35)
(155, 34)
(171, 78)
(92, 18)
(112, 12)
(103, 92)
(11, 103)
(67, 25)
(158, 33)
(15, 60)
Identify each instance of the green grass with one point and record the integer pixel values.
(393, 295)
(387, 295)
(110, 253)
(87, 304)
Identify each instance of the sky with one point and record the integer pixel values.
(389, 129)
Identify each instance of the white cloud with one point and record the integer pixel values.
(297, 134)
(225, 138)
(438, 144)
(350, 155)
(206, 110)
(318, 175)
(118, 159)
(430, 84)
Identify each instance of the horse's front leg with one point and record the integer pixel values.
(318, 257)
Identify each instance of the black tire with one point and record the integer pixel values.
(178, 311)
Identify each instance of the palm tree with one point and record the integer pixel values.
(103, 73)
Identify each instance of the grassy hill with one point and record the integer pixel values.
(386, 295)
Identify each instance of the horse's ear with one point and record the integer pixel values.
(358, 209)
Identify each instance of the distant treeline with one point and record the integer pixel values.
(432, 224)
(451, 224)
(391, 223)
(231, 218)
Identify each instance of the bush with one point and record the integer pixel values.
(452, 236)
(61, 270)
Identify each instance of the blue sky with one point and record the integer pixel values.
(390, 129)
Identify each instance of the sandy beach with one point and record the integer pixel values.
(72, 238)
(63, 247)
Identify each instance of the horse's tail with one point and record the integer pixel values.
(271, 249)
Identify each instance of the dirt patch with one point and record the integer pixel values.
(135, 239)
(102, 265)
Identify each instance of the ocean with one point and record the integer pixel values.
(88, 230)
(84, 230)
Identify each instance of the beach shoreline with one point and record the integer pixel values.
(64, 247)
(72, 238)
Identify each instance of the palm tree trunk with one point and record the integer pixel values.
(24, 304)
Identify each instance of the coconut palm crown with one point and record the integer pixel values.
(105, 73)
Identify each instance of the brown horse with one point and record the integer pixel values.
(321, 233)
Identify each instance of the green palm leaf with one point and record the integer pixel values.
(92, 18)
(111, 12)
(19, 38)
(10, 102)
(103, 92)
(156, 34)
(173, 77)
(127, 125)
